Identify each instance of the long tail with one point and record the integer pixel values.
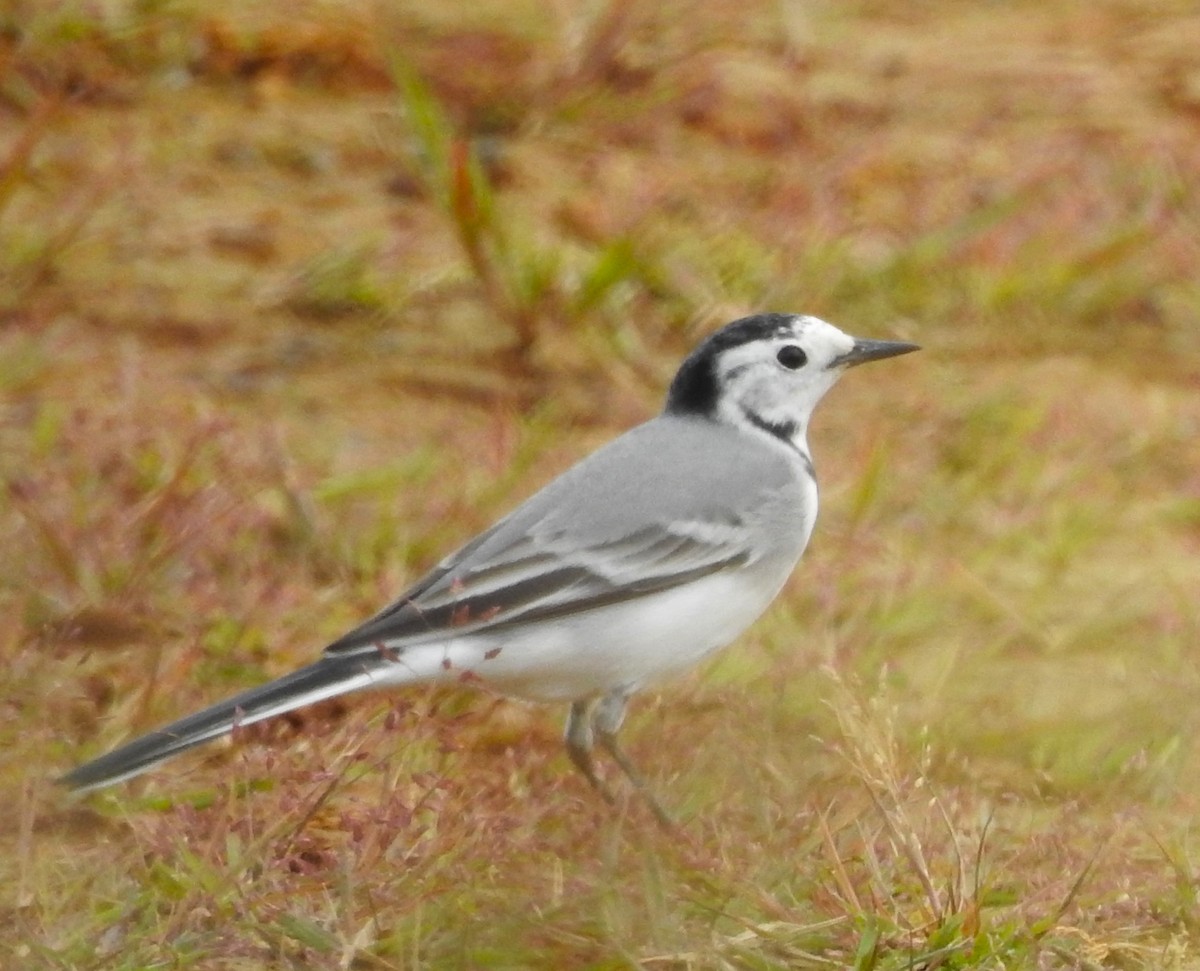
(330, 676)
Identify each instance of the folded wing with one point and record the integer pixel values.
(541, 577)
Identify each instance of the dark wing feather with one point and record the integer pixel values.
(536, 579)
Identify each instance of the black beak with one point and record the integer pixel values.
(865, 350)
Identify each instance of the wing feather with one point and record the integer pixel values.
(540, 578)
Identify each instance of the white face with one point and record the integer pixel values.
(766, 373)
(776, 381)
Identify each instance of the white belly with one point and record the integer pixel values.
(626, 645)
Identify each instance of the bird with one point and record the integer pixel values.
(644, 558)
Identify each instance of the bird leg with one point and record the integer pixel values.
(581, 739)
(599, 720)
(606, 722)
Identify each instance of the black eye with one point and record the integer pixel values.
(791, 357)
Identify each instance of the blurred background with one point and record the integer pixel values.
(294, 298)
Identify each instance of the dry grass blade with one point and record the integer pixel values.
(14, 167)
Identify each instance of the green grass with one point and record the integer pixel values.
(291, 306)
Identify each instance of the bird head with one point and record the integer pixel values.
(767, 372)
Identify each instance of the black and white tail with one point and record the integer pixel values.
(331, 676)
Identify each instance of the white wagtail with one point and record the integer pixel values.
(633, 565)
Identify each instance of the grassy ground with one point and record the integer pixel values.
(291, 303)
